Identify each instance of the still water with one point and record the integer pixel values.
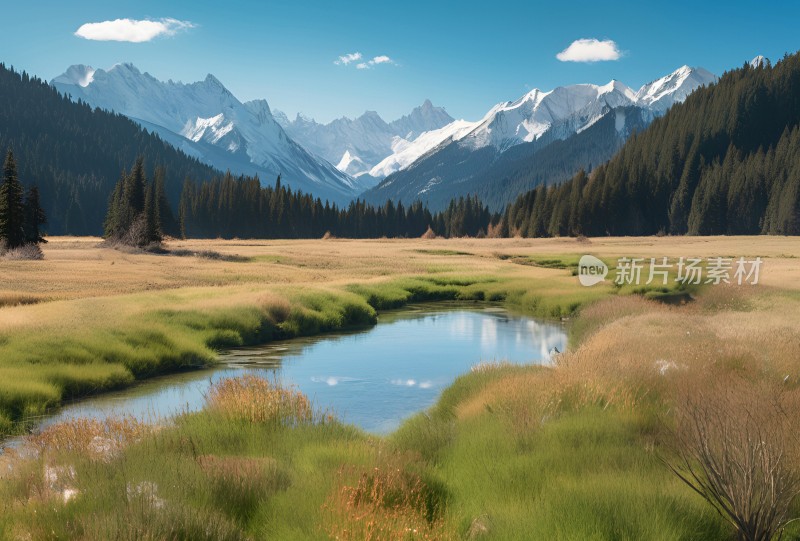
(373, 378)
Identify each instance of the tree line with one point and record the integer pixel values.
(229, 207)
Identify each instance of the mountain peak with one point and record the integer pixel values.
(77, 74)
(759, 62)
(662, 93)
(210, 79)
(125, 67)
(260, 108)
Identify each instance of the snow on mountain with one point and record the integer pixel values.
(357, 145)
(405, 152)
(76, 75)
(208, 122)
(663, 93)
(536, 113)
(424, 118)
(759, 61)
(556, 114)
(352, 165)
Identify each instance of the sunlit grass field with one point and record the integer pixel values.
(572, 451)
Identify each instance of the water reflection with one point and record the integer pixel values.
(374, 378)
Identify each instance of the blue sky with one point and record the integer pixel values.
(463, 55)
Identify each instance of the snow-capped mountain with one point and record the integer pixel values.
(537, 117)
(206, 121)
(556, 114)
(663, 93)
(357, 145)
(759, 62)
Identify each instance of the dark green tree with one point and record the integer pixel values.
(12, 212)
(34, 217)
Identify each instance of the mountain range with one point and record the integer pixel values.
(448, 162)
(424, 155)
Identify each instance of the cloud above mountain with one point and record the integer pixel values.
(590, 50)
(131, 30)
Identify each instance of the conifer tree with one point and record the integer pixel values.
(12, 218)
(34, 217)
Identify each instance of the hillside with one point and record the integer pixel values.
(75, 154)
(726, 161)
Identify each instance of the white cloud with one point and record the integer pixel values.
(590, 50)
(131, 30)
(382, 59)
(347, 59)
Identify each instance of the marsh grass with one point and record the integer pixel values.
(92, 438)
(386, 502)
(256, 400)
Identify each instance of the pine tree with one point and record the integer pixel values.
(113, 227)
(152, 226)
(12, 214)
(135, 188)
(166, 220)
(34, 217)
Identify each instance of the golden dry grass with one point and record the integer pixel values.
(92, 438)
(256, 400)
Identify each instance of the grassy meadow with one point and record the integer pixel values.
(572, 451)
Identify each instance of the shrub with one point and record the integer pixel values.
(27, 252)
(735, 444)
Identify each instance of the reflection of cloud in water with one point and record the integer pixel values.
(332, 380)
(412, 383)
(488, 332)
(546, 337)
(462, 325)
